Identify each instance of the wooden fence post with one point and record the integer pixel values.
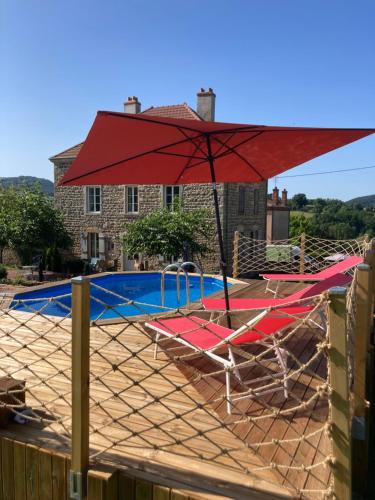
(361, 341)
(236, 244)
(302, 254)
(362, 336)
(80, 387)
(370, 260)
(340, 414)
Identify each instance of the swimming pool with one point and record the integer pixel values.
(115, 290)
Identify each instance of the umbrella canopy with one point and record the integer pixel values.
(139, 149)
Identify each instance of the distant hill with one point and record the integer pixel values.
(365, 201)
(26, 180)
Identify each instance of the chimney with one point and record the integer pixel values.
(284, 197)
(206, 104)
(132, 105)
(275, 196)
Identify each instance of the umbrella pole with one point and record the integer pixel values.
(223, 261)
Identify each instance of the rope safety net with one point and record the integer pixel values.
(231, 405)
(301, 253)
(35, 362)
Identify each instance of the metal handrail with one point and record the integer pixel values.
(197, 268)
(181, 267)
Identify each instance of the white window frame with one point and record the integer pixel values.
(174, 196)
(90, 236)
(88, 211)
(132, 187)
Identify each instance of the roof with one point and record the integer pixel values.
(172, 111)
(68, 153)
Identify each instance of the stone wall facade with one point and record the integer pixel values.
(109, 224)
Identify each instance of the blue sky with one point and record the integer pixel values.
(274, 62)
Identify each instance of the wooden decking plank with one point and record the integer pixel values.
(95, 487)
(68, 466)
(45, 474)
(307, 449)
(285, 453)
(19, 470)
(7, 471)
(302, 453)
(161, 492)
(59, 478)
(32, 473)
(176, 495)
(126, 487)
(143, 490)
(257, 433)
(1, 468)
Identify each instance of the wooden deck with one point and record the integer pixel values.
(158, 429)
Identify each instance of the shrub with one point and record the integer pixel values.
(3, 272)
(53, 259)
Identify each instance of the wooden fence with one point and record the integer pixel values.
(35, 473)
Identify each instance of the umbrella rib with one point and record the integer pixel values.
(192, 140)
(179, 155)
(222, 146)
(197, 146)
(187, 165)
(145, 153)
(229, 150)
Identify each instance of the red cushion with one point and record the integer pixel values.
(189, 328)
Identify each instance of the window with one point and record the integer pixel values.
(93, 199)
(241, 200)
(131, 199)
(256, 201)
(93, 245)
(171, 195)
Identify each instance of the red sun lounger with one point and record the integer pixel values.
(208, 338)
(340, 267)
(306, 293)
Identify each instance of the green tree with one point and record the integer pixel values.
(6, 202)
(166, 232)
(298, 202)
(298, 224)
(30, 222)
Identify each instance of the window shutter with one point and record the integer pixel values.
(102, 253)
(84, 246)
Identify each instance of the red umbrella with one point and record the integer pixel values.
(139, 149)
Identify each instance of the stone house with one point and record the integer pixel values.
(95, 215)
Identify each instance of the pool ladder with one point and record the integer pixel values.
(181, 267)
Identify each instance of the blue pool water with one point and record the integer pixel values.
(142, 288)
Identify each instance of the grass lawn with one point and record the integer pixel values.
(308, 215)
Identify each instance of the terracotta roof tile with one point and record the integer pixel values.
(172, 111)
(68, 153)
